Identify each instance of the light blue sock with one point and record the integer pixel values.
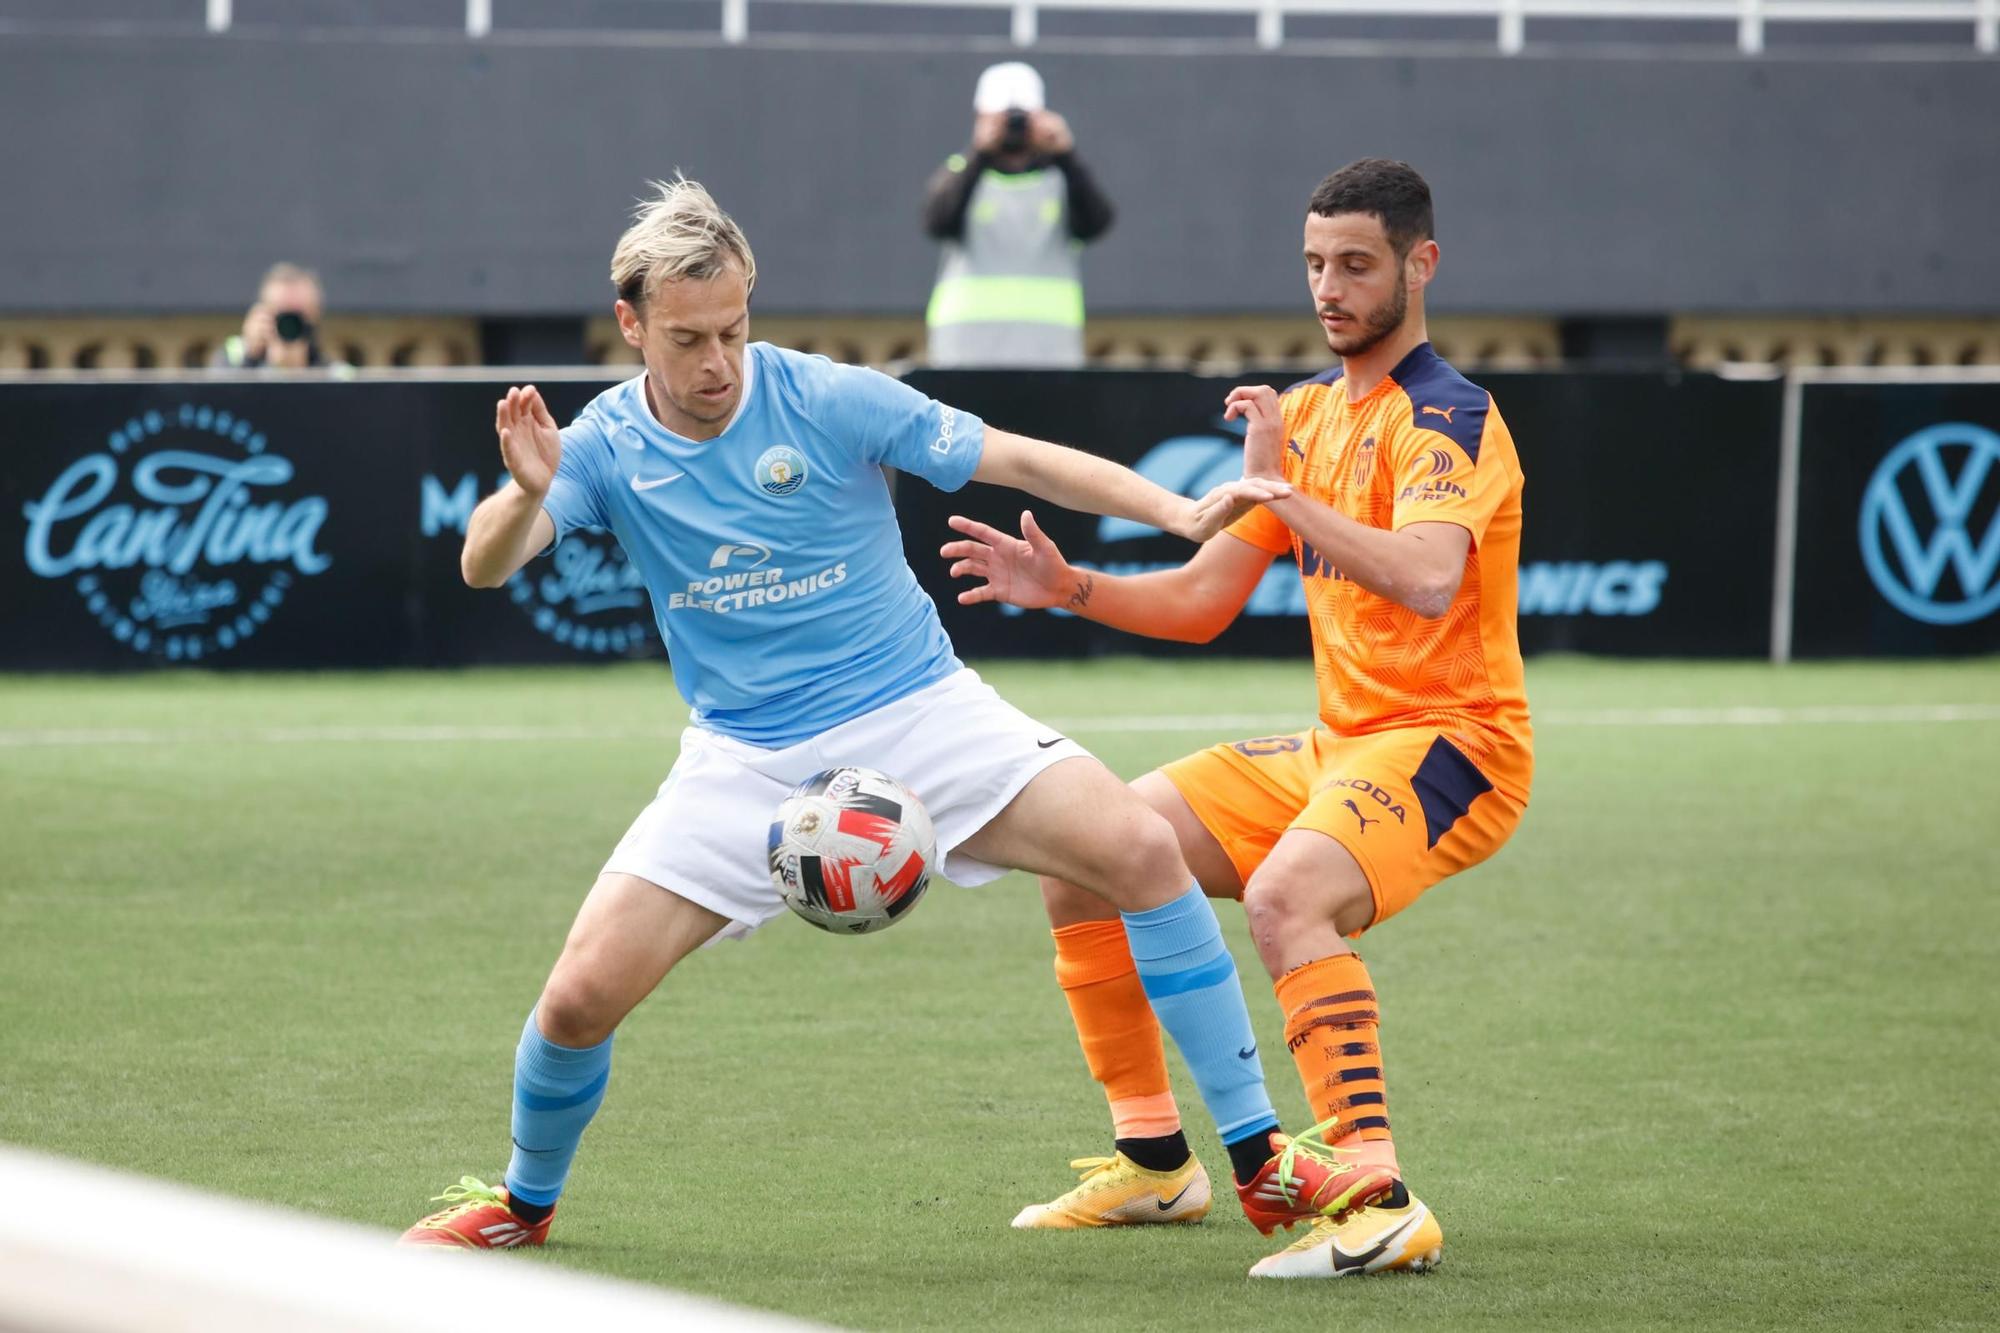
(1191, 981)
(557, 1089)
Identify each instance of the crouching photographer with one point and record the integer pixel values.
(281, 331)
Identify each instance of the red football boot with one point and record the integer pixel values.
(1307, 1179)
(476, 1217)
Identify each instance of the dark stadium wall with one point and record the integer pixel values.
(430, 173)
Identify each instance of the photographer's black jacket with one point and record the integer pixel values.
(950, 194)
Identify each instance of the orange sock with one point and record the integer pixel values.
(1120, 1036)
(1333, 1030)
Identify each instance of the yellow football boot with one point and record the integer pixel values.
(1380, 1238)
(1117, 1192)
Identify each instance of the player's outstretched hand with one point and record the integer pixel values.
(530, 443)
(1264, 440)
(1227, 503)
(1022, 571)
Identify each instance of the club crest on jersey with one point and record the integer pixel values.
(1364, 462)
(781, 470)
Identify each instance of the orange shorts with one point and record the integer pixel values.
(1410, 805)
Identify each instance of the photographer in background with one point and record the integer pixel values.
(281, 331)
(1013, 211)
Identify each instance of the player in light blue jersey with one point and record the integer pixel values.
(746, 484)
(771, 551)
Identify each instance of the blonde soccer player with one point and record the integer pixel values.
(745, 483)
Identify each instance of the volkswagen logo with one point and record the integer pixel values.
(1933, 506)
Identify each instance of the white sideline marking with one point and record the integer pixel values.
(1239, 724)
(83, 1248)
(1755, 716)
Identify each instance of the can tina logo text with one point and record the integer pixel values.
(182, 536)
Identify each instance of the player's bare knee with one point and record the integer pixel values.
(575, 1010)
(1272, 903)
(1286, 904)
(1150, 870)
(1281, 901)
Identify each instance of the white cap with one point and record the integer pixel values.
(1012, 86)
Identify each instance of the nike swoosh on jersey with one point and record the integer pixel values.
(638, 485)
(1043, 745)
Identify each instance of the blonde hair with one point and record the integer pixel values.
(679, 232)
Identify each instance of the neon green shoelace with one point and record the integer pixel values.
(1312, 1144)
(469, 1192)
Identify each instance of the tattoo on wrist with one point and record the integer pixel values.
(1080, 598)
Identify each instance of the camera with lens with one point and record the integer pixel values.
(1016, 136)
(291, 326)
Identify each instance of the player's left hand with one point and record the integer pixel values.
(1027, 571)
(1264, 441)
(1049, 134)
(1227, 503)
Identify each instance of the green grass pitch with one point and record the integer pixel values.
(1711, 1043)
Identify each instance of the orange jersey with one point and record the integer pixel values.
(1426, 445)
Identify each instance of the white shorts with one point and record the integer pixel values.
(964, 750)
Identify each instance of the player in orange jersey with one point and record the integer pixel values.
(1405, 522)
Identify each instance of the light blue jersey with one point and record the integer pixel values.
(771, 551)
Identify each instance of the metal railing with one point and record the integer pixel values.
(1510, 17)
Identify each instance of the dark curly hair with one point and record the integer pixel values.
(1392, 191)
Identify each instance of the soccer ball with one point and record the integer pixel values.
(851, 850)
